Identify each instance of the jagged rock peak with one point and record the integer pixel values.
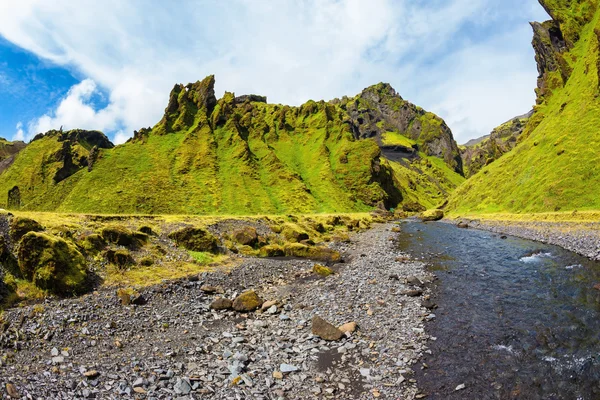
(379, 92)
(84, 137)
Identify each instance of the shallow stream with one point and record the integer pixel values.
(515, 318)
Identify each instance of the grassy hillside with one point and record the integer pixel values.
(241, 155)
(556, 167)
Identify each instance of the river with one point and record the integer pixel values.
(516, 319)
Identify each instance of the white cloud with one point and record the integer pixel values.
(289, 50)
(20, 135)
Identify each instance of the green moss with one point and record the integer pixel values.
(19, 226)
(52, 263)
(322, 270)
(292, 233)
(93, 243)
(432, 215)
(313, 252)
(195, 239)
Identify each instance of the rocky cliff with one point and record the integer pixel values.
(241, 155)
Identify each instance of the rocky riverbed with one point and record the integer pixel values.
(579, 237)
(173, 345)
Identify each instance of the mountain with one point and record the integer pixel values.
(556, 166)
(477, 153)
(242, 155)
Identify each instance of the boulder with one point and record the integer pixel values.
(19, 226)
(325, 330)
(271, 250)
(51, 263)
(247, 301)
(246, 236)
(432, 215)
(221, 303)
(195, 239)
(318, 253)
(293, 234)
(120, 258)
(122, 236)
(7, 259)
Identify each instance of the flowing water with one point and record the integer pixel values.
(516, 319)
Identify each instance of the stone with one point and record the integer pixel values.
(209, 289)
(12, 391)
(91, 374)
(182, 386)
(272, 309)
(325, 330)
(348, 327)
(268, 304)
(247, 301)
(246, 236)
(287, 368)
(413, 280)
(277, 375)
(432, 215)
(221, 303)
(413, 293)
(460, 387)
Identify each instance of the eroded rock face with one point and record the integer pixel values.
(379, 109)
(549, 45)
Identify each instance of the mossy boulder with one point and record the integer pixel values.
(293, 234)
(147, 230)
(195, 239)
(322, 270)
(432, 215)
(120, 258)
(19, 226)
(93, 243)
(271, 250)
(247, 301)
(52, 263)
(246, 236)
(318, 253)
(123, 236)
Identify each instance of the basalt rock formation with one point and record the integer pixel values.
(241, 155)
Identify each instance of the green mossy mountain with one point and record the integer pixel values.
(478, 153)
(556, 165)
(241, 155)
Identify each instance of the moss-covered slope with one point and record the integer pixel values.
(241, 155)
(478, 153)
(557, 164)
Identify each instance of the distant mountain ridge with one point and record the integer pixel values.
(241, 155)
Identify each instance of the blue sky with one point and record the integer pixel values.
(110, 65)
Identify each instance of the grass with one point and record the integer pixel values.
(396, 139)
(556, 167)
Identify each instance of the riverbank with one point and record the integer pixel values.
(578, 232)
(176, 346)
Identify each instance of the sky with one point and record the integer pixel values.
(110, 65)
